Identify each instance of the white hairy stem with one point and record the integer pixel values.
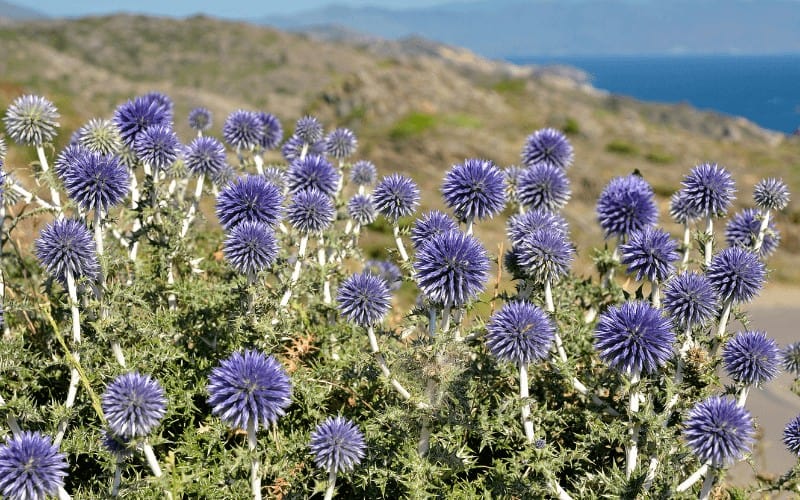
(469, 227)
(550, 307)
(98, 231)
(28, 197)
(173, 185)
(432, 322)
(117, 478)
(689, 482)
(633, 443)
(722, 325)
(331, 484)
(348, 227)
(687, 246)
(304, 151)
(762, 231)
(259, 163)
(424, 445)
(446, 318)
(62, 494)
(198, 192)
(326, 286)
(151, 459)
(74, 380)
(172, 301)
(655, 294)
(399, 241)
(373, 344)
(11, 420)
(255, 476)
(742, 399)
(54, 195)
(301, 253)
(709, 239)
(609, 276)
(524, 394)
(362, 189)
(708, 485)
(559, 491)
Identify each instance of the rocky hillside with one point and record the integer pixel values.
(416, 106)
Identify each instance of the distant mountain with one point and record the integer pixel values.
(17, 13)
(516, 28)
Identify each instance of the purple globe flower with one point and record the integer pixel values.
(386, 270)
(771, 194)
(31, 467)
(243, 129)
(158, 146)
(341, 143)
(521, 226)
(650, 253)
(548, 146)
(200, 119)
(163, 100)
(273, 130)
(736, 274)
(791, 435)
(99, 136)
(97, 182)
(544, 187)
(249, 198)
(512, 174)
(361, 209)
(520, 333)
(31, 120)
(689, 299)
(250, 247)
(363, 173)
(634, 338)
(134, 405)
(66, 246)
(451, 268)
(751, 358)
(710, 189)
(315, 172)
(277, 176)
(135, 116)
(474, 189)
(681, 209)
(293, 146)
(544, 256)
(308, 129)
(626, 205)
(429, 225)
(364, 299)
(743, 228)
(249, 387)
(719, 431)
(337, 444)
(311, 211)
(396, 196)
(67, 158)
(205, 155)
(790, 356)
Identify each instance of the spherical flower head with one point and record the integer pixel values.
(710, 189)
(205, 155)
(743, 228)
(719, 431)
(363, 173)
(243, 129)
(791, 436)
(361, 209)
(512, 174)
(337, 444)
(97, 182)
(545, 256)
(311, 211)
(250, 247)
(520, 332)
(308, 129)
(634, 338)
(66, 246)
(364, 299)
(100, 136)
(396, 196)
(341, 143)
(548, 146)
(520, 226)
(544, 186)
(736, 274)
(31, 120)
(474, 189)
(681, 209)
(626, 204)
(249, 387)
(162, 100)
(158, 146)
(790, 357)
(315, 172)
(67, 158)
(249, 198)
(650, 254)
(293, 147)
(134, 405)
(751, 358)
(273, 130)
(136, 115)
(277, 176)
(386, 270)
(452, 268)
(429, 225)
(200, 119)
(771, 194)
(689, 299)
(31, 467)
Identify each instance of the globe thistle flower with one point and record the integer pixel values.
(243, 129)
(273, 130)
(135, 116)
(249, 388)
(650, 254)
(544, 256)
(791, 435)
(31, 120)
(429, 225)
(293, 147)
(743, 228)
(548, 146)
(474, 189)
(790, 356)
(521, 226)
(718, 431)
(396, 196)
(451, 268)
(277, 176)
(736, 274)
(363, 173)
(200, 119)
(361, 209)
(386, 270)
(250, 247)
(163, 100)
(511, 174)
(544, 186)
(249, 198)
(364, 299)
(751, 358)
(67, 158)
(116, 445)
(31, 467)
(100, 136)
(681, 209)
(308, 129)
(520, 332)
(313, 171)
(771, 194)
(709, 188)
(341, 143)
(689, 299)
(311, 211)
(337, 444)
(634, 338)
(97, 182)
(626, 204)
(66, 246)
(205, 155)
(158, 146)
(134, 405)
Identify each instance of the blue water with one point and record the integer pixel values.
(764, 89)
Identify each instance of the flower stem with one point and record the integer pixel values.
(743, 396)
(709, 239)
(259, 163)
(399, 241)
(708, 485)
(11, 420)
(762, 231)
(151, 459)
(255, 477)
(326, 286)
(117, 479)
(469, 227)
(687, 246)
(54, 195)
(689, 482)
(198, 193)
(633, 443)
(723, 323)
(655, 294)
(301, 253)
(551, 308)
(373, 343)
(524, 394)
(331, 484)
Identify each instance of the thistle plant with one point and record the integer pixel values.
(338, 446)
(32, 467)
(200, 119)
(684, 213)
(543, 187)
(744, 230)
(363, 174)
(474, 190)
(770, 195)
(431, 224)
(548, 146)
(649, 253)
(750, 359)
(396, 196)
(709, 189)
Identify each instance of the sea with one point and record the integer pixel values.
(763, 89)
